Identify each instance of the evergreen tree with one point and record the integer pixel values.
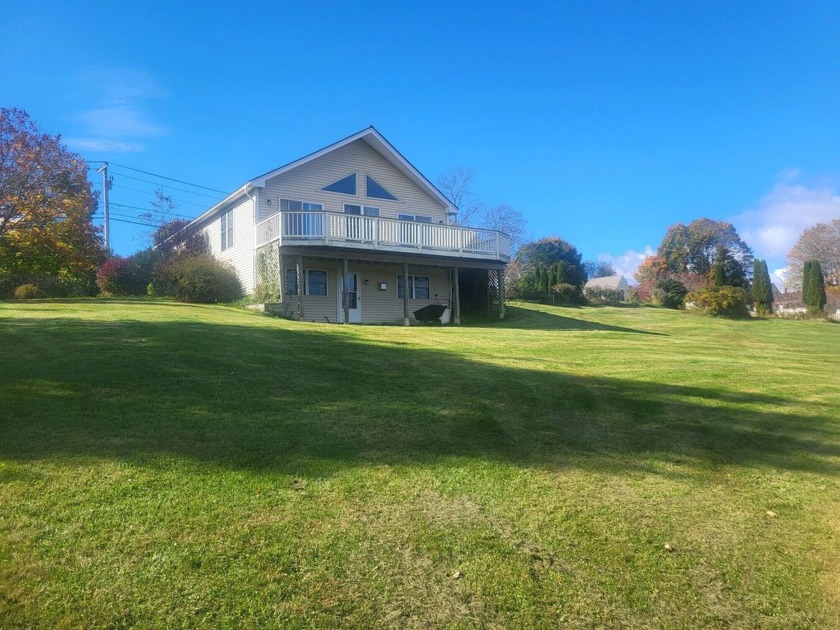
(544, 280)
(806, 279)
(762, 289)
(552, 278)
(815, 298)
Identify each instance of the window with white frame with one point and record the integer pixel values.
(368, 211)
(418, 287)
(419, 218)
(294, 205)
(227, 229)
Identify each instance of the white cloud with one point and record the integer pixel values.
(118, 119)
(626, 264)
(102, 145)
(773, 227)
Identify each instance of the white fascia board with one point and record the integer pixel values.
(379, 144)
(230, 199)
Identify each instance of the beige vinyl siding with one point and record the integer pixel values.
(241, 254)
(305, 182)
(385, 306)
(377, 306)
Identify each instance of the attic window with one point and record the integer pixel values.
(345, 186)
(376, 190)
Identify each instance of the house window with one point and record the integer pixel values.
(316, 282)
(292, 205)
(419, 218)
(345, 185)
(227, 229)
(418, 287)
(368, 211)
(375, 190)
(300, 218)
(290, 285)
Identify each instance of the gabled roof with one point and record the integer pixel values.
(373, 138)
(378, 142)
(607, 282)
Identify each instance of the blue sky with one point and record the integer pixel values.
(603, 122)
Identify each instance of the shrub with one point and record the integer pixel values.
(567, 293)
(27, 292)
(720, 301)
(203, 279)
(669, 293)
(127, 276)
(599, 295)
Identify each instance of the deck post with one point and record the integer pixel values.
(456, 311)
(406, 318)
(299, 271)
(501, 273)
(345, 292)
(281, 281)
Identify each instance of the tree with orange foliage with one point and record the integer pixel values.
(46, 205)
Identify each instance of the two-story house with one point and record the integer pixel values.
(354, 233)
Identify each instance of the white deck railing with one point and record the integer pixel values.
(349, 230)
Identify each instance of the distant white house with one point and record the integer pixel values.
(611, 283)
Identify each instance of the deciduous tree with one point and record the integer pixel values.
(694, 247)
(551, 252)
(46, 205)
(820, 242)
(599, 269)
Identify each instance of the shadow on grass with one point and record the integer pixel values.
(528, 319)
(310, 402)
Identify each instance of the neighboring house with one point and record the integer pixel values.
(612, 283)
(790, 304)
(354, 233)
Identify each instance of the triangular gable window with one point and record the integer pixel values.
(377, 190)
(345, 186)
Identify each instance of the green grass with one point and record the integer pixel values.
(168, 465)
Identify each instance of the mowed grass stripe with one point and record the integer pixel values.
(182, 466)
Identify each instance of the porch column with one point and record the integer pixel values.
(299, 271)
(345, 292)
(501, 273)
(456, 308)
(281, 281)
(406, 318)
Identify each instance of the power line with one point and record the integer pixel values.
(171, 179)
(133, 222)
(191, 192)
(175, 214)
(146, 192)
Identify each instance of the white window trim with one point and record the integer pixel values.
(363, 207)
(300, 201)
(226, 233)
(414, 217)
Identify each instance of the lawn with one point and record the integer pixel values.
(170, 465)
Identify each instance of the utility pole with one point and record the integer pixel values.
(106, 184)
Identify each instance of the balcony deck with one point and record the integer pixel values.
(376, 233)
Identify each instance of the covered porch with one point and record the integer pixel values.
(334, 285)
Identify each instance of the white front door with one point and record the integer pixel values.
(354, 297)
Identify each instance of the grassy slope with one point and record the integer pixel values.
(175, 465)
